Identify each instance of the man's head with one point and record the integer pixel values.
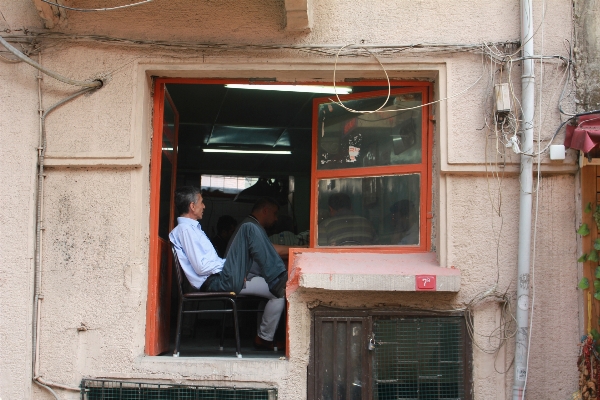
(265, 211)
(339, 202)
(189, 203)
(226, 226)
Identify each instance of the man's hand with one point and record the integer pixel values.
(284, 251)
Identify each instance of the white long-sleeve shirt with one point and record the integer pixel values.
(197, 256)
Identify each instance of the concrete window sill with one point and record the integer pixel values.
(212, 368)
(314, 269)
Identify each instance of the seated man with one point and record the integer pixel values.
(343, 227)
(264, 215)
(283, 232)
(205, 270)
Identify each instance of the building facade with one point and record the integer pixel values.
(81, 261)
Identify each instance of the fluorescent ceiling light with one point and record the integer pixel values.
(294, 88)
(247, 151)
(167, 149)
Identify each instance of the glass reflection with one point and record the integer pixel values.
(351, 140)
(379, 210)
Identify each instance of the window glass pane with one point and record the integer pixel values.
(164, 216)
(166, 172)
(168, 129)
(377, 210)
(226, 184)
(351, 140)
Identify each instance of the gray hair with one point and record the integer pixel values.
(184, 196)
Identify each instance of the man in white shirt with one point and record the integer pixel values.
(205, 270)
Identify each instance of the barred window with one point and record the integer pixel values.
(389, 355)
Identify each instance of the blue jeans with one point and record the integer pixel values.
(249, 244)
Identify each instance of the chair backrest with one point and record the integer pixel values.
(178, 270)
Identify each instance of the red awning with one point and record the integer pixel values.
(586, 135)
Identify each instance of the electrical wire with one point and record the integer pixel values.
(387, 77)
(38, 241)
(321, 49)
(537, 203)
(380, 110)
(93, 84)
(48, 388)
(503, 127)
(96, 9)
(510, 138)
(503, 333)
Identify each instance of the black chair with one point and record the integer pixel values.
(228, 298)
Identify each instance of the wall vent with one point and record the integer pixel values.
(94, 389)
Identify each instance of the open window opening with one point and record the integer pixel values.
(298, 148)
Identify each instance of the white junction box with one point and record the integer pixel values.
(557, 152)
(502, 93)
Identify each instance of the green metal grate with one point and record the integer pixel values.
(92, 389)
(419, 358)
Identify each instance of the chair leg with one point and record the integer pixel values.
(222, 341)
(237, 330)
(178, 332)
(195, 320)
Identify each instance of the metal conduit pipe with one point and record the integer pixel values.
(94, 84)
(525, 197)
(38, 241)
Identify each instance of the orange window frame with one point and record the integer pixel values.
(154, 344)
(423, 168)
(152, 331)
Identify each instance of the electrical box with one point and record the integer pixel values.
(502, 93)
(557, 152)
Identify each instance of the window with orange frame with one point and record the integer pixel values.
(371, 171)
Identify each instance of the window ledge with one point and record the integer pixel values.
(211, 368)
(316, 269)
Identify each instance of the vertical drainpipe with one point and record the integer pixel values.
(526, 181)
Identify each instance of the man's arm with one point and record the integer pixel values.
(200, 252)
(284, 251)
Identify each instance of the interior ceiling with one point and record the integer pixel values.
(217, 117)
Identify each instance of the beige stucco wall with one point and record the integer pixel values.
(96, 192)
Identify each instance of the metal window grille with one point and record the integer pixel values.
(92, 389)
(419, 358)
(341, 371)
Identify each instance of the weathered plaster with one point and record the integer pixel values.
(51, 15)
(298, 15)
(18, 141)
(587, 53)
